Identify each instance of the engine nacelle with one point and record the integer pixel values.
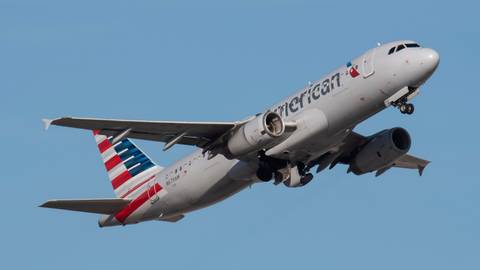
(384, 148)
(256, 134)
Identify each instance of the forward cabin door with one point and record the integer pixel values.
(368, 65)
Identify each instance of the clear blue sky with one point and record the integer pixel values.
(212, 60)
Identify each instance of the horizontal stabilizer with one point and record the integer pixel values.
(99, 206)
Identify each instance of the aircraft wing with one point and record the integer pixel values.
(355, 140)
(190, 133)
(411, 162)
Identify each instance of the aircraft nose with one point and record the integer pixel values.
(430, 60)
(427, 61)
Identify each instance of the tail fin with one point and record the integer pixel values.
(127, 166)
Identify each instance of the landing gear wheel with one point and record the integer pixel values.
(306, 179)
(279, 177)
(264, 174)
(406, 108)
(410, 108)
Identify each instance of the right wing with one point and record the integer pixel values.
(99, 206)
(199, 134)
(411, 162)
(354, 141)
(406, 161)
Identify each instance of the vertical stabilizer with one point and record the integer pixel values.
(127, 166)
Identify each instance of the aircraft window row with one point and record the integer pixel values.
(402, 46)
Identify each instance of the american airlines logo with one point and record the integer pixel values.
(352, 70)
(309, 95)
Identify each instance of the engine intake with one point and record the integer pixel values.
(383, 149)
(255, 135)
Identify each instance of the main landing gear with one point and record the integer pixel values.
(282, 171)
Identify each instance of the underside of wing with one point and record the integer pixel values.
(411, 162)
(99, 206)
(189, 133)
(378, 152)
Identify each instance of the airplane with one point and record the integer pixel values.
(311, 128)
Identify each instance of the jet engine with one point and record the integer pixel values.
(384, 148)
(255, 135)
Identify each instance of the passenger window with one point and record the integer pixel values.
(412, 45)
(400, 47)
(391, 50)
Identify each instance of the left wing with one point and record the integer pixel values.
(198, 134)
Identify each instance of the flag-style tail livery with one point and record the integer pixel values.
(132, 175)
(127, 166)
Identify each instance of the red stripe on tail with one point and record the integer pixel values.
(120, 179)
(104, 145)
(111, 163)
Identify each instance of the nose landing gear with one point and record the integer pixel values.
(403, 105)
(406, 108)
(401, 99)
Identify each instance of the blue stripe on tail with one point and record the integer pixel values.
(133, 156)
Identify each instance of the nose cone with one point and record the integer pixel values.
(426, 63)
(430, 60)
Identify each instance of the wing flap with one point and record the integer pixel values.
(98, 206)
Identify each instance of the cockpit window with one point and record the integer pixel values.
(412, 45)
(403, 46)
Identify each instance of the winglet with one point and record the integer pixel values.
(420, 169)
(47, 123)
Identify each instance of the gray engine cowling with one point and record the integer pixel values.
(384, 148)
(255, 134)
